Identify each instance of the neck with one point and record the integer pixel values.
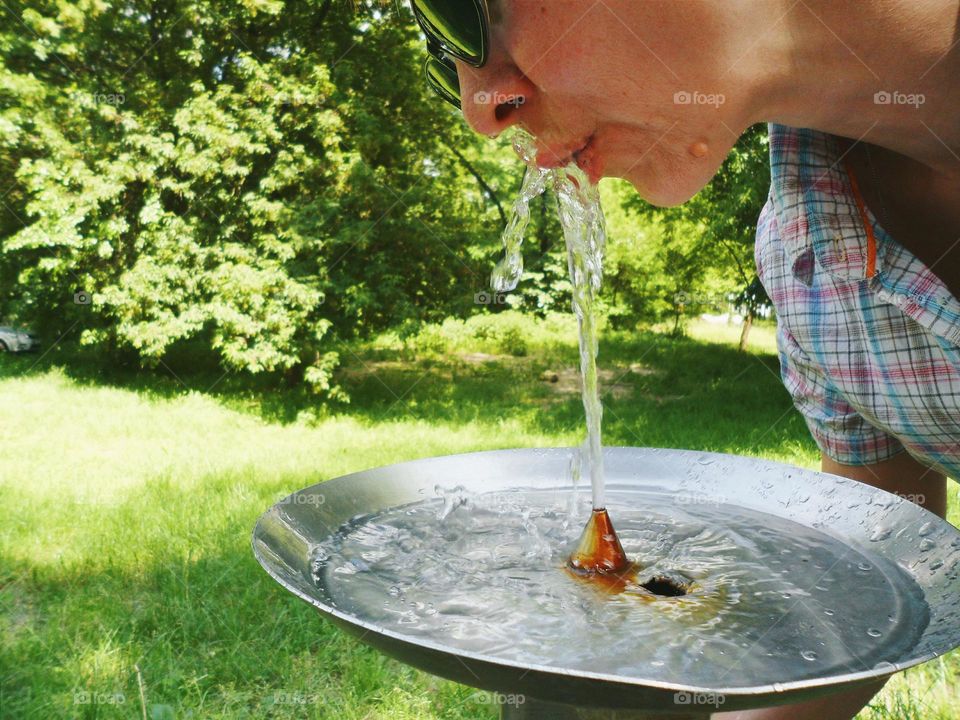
(882, 71)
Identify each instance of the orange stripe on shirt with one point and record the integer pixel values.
(861, 206)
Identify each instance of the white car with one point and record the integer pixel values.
(13, 340)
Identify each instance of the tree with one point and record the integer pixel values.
(263, 178)
(699, 254)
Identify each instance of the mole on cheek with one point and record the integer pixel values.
(699, 149)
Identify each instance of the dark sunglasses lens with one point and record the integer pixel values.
(458, 24)
(443, 78)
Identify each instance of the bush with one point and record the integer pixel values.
(504, 333)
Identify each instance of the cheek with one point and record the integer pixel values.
(590, 70)
(555, 46)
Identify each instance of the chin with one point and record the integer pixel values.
(661, 194)
(669, 188)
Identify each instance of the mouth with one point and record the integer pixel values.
(588, 159)
(554, 156)
(583, 154)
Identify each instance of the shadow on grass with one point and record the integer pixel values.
(178, 599)
(657, 390)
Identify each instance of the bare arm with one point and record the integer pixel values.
(902, 475)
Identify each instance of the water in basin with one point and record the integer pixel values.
(764, 600)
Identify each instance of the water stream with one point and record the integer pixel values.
(578, 204)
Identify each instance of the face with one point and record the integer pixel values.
(626, 88)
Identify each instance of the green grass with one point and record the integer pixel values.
(128, 500)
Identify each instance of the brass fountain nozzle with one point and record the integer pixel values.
(599, 550)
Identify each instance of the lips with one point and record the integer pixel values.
(583, 153)
(586, 158)
(589, 159)
(554, 156)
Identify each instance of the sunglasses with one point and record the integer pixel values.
(455, 29)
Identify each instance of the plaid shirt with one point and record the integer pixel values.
(869, 337)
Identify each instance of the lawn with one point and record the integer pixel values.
(127, 585)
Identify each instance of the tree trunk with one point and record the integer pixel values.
(542, 235)
(745, 333)
(484, 186)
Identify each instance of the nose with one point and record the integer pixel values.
(493, 97)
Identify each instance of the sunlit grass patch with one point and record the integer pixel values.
(125, 561)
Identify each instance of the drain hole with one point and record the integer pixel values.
(665, 586)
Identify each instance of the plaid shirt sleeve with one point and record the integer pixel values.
(868, 335)
(838, 429)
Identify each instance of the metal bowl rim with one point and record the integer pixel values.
(776, 688)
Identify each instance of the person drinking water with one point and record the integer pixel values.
(858, 245)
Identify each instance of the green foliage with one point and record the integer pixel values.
(666, 263)
(637, 285)
(263, 177)
(261, 181)
(509, 332)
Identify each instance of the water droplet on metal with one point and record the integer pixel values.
(881, 533)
